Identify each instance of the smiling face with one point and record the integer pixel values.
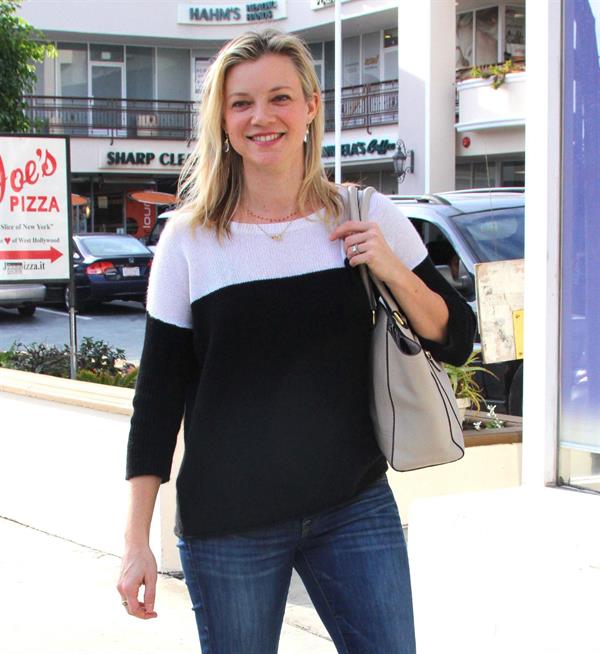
(266, 114)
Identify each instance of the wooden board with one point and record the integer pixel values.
(499, 287)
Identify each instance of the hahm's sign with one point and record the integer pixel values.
(231, 14)
(35, 209)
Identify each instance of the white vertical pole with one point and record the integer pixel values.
(338, 92)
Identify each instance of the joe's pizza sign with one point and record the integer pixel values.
(34, 209)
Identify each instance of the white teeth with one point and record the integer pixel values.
(265, 139)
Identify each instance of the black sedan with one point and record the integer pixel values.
(108, 267)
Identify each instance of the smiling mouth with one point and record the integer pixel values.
(266, 138)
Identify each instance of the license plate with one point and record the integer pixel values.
(131, 271)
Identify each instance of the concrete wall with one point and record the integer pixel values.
(158, 21)
(63, 447)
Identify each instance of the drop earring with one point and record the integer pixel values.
(226, 144)
(307, 133)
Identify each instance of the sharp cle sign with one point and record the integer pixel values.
(231, 14)
(34, 209)
(148, 160)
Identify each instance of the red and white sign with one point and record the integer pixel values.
(35, 228)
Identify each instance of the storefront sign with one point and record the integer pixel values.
(321, 4)
(361, 148)
(148, 159)
(233, 14)
(35, 225)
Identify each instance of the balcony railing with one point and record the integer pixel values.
(112, 117)
(366, 105)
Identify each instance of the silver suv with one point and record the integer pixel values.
(460, 229)
(23, 297)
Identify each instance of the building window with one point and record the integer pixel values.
(316, 52)
(73, 69)
(390, 38)
(514, 33)
(390, 54)
(107, 53)
(351, 61)
(173, 74)
(479, 41)
(140, 73)
(371, 57)
(366, 59)
(486, 36)
(490, 174)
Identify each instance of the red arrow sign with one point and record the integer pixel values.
(53, 254)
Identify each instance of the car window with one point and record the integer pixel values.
(157, 230)
(494, 235)
(101, 246)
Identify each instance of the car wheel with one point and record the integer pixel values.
(515, 393)
(27, 310)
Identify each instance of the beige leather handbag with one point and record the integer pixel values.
(413, 407)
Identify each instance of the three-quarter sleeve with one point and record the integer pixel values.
(407, 245)
(167, 364)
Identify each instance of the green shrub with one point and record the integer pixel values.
(126, 380)
(98, 356)
(97, 362)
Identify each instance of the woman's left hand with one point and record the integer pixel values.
(364, 243)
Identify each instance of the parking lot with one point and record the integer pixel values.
(121, 324)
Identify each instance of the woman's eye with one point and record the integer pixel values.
(281, 98)
(240, 103)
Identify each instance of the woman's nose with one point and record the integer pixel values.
(262, 113)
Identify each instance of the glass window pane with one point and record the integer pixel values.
(484, 176)
(173, 74)
(513, 173)
(462, 176)
(72, 62)
(486, 36)
(140, 73)
(464, 40)
(351, 61)
(390, 38)
(514, 45)
(390, 65)
(329, 81)
(316, 51)
(371, 55)
(106, 52)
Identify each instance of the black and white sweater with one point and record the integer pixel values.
(265, 344)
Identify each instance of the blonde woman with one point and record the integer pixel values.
(258, 334)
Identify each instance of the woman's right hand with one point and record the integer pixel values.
(138, 569)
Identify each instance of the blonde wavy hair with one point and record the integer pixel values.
(212, 180)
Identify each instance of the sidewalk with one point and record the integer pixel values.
(59, 598)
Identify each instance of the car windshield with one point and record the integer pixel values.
(102, 246)
(494, 235)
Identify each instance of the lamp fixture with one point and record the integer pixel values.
(403, 160)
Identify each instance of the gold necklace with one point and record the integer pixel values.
(275, 237)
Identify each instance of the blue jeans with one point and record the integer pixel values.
(352, 559)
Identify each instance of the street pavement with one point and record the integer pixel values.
(59, 597)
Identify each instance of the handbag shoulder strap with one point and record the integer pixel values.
(358, 209)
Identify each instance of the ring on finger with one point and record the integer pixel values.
(124, 603)
(355, 249)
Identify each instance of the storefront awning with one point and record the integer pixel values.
(78, 200)
(153, 197)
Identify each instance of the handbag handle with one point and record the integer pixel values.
(358, 202)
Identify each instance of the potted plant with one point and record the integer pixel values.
(467, 390)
